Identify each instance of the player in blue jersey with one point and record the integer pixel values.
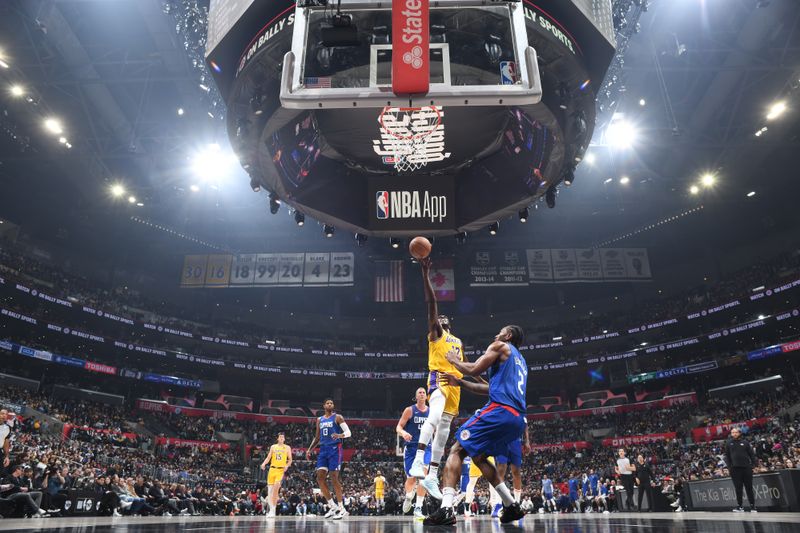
(408, 428)
(593, 483)
(331, 429)
(494, 427)
(548, 500)
(574, 482)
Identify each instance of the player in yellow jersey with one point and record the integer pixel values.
(279, 459)
(443, 398)
(380, 486)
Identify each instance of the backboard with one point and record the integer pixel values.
(476, 53)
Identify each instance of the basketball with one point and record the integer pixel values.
(420, 247)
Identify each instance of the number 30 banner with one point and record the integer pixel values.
(322, 269)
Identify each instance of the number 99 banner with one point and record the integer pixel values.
(268, 270)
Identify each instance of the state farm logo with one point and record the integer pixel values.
(410, 205)
(412, 25)
(414, 58)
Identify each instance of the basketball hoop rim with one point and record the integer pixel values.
(411, 110)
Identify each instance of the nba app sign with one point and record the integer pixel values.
(412, 205)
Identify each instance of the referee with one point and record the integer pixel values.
(741, 459)
(625, 471)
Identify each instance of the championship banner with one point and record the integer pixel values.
(540, 266)
(559, 265)
(268, 270)
(498, 269)
(721, 431)
(442, 278)
(637, 439)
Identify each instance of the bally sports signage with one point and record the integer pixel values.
(410, 46)
(409, 203)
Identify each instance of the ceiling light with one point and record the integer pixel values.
(131, 199)
(180, 111)
(53, 126)
(608, 180)
(524, 214)
(751, 194)
(620, 134)
(62, 140)
(194, 188)
(274, 203)
(140, 204)
(68, 145)
(494, 227)
(694, 189)
(361, 239)
(255, 185)
(762, 317)
(394, 243)
(708, 180)
(212, 163)
(590, 158)
(117, 190)
(777, 109)
(569, 177)
(762, 131)
(624, 180)
(17, 90)
(550, 196)
(299, 218)
(328, 230)
(3, 64)
(642, 102)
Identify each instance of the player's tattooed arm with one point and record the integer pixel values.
(471, 386)
(434, 328)
(497, 351)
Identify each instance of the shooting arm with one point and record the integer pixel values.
(434, 329)
(495, 351)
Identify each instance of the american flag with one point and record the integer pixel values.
(389, 281)
(318, 83)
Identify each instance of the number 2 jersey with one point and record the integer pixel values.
(508, 381)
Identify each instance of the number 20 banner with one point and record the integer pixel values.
(323, 269)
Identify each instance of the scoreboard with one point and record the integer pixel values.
(299, 269)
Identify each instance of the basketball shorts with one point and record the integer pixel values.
(411, 453)
(548, 495)
(275, 475)
(513, 455)
(491, 430)
(330, 458)
(452, 395)
(378, 495)
(573, 497)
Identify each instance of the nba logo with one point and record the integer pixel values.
(508, 73)
(382, 203)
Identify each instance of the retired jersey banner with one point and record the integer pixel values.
(268, 270)
(443, 280)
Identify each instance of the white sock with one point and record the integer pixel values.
(420, 501)
(331, 503)
(517, 495)
(409, 495)
(341, 506)
(420, 456)
(448, 494)
(504, 494)
(433, 470)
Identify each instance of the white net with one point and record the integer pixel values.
(411, 131)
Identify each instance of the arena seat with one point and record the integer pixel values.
(271, 411)
(533, 409)
(294, 411)
(216, 406)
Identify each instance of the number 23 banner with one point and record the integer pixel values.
(322, 269)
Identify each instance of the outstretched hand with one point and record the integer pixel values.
(426, 264)
(451, 380)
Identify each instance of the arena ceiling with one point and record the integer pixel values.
(115, 72)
